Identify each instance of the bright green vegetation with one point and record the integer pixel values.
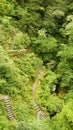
(34, 35)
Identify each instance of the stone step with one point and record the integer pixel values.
(8, 110)
(10, 115)
(8, 105)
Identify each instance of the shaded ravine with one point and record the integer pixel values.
(40, 113)
(8, 107)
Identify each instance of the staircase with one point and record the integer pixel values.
(8, 107)
(40, 113)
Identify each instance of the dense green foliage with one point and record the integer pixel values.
(34, 35)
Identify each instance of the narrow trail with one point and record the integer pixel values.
(8, 106)
(40, 113)
(34, 86)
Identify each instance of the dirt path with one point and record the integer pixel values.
(40, 113)
(34, 86)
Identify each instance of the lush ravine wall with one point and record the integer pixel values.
(36, 64)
